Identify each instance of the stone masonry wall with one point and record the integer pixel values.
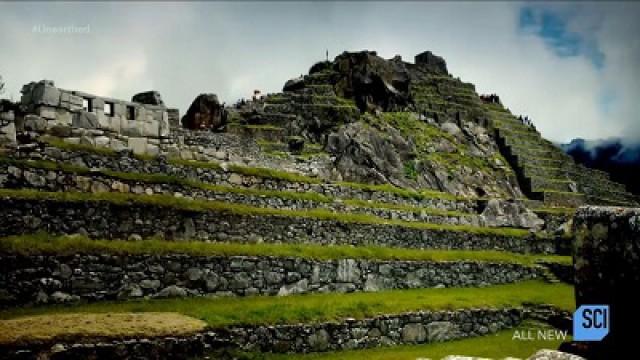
(21, 176)
(61, 107)
(607, 270)
(160, 165)
(386, 330)
(102, 219)
(58, 279)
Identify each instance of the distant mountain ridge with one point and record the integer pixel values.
(620, 158)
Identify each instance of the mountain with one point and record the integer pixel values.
(619, 158)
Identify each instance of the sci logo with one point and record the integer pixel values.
(591, 322)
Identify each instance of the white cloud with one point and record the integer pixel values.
(233, 48)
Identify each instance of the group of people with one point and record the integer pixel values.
(526, 121)
(491, 98)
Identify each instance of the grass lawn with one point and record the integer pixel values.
(220, 312)
(494, 346)
(43, 243)
(118, 325)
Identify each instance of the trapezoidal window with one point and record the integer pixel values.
(131, 113)
(87, 104)
(108, 109)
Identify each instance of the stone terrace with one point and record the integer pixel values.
(546, 173)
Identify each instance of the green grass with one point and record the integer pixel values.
(493, 346)
(241, 209)
(312, 308)
(44, 244)
(402, 207)
(405, 193)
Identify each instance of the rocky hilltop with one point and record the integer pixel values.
(372, 203)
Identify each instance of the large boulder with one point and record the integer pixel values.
(148, 97)
(373, 82)
(510, 214)
(205, 112)
(294, 84)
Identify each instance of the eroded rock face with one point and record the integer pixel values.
(363, 153)
(373, 82)
(205, 112)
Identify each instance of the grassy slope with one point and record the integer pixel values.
(494, 346)
(326, 307)
(69, 245)
(240, 209)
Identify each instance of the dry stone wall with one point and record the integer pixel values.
(160, 165)
(44, 279)
(103, 219)
(21, 176)
(607, 249)
(387, 330)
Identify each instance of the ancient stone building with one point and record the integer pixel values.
(55, 106)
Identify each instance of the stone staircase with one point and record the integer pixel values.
(546, 173)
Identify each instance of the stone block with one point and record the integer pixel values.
(109, 123)
(164, 125)
(65, 97)
(141, 113)
(120, 109)
(102, 141)
(44, 94)
(153, 150)
(117, 145)
(98, 104)
(414, 333)
(47, 112)
(34, 123)
(151, 128)
(64, 117)
(8, 133)
(138, 145)
(85, 120)
(131, 128)
(174, 117)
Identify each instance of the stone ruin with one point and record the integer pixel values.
(139, 125)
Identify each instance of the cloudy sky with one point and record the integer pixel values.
(572, 67)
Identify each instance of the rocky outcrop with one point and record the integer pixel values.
(373, 82)
(432, 62)
(205, 112)
(365, 154)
